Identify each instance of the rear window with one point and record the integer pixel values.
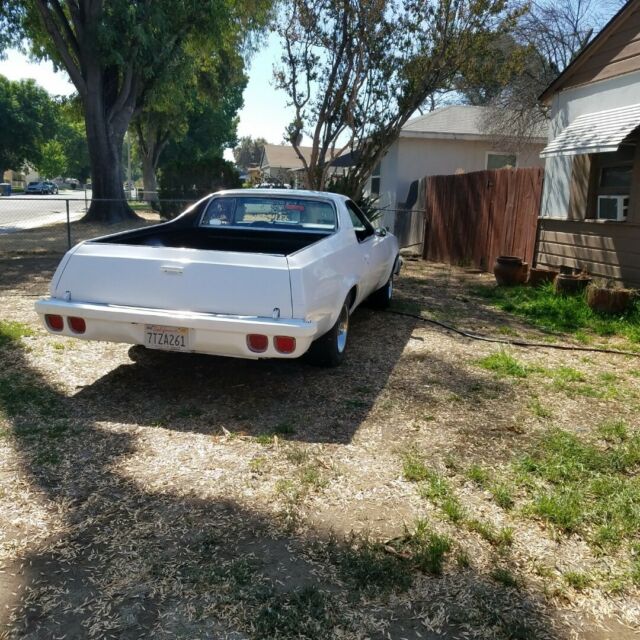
(270, 213)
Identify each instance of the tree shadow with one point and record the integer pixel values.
(132, 560)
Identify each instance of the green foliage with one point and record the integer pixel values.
(248, 151)
(578, 580)
(582, 487)
(503, 364)
(504, 577)
(12, 331)
(566, 314)
(53, 161)
(28, 117)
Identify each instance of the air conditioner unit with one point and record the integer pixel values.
(613, 207)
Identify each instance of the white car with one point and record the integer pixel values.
(244, 273)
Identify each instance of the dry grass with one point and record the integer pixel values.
(201, 497)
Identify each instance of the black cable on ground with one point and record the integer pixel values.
(514, 343)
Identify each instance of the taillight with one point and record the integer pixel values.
(54, 322)
(78, 325)
(284, 344)
(257, 342)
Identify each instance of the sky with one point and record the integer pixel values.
(265, 113)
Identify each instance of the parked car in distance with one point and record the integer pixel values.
(245, 273)
(53, 187)
(39, 187)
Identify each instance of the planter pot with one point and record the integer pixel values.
(605, 300)
(541, 276)
(510, 271)
(568, 285)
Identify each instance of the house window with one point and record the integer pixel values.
(612, 179)
(375, 181)
(501, 160)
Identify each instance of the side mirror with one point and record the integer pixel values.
(382, 232)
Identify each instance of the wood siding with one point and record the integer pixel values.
(604, 249)
(472, 218)
(619, 53)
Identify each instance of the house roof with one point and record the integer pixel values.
(456, 122)
(589, 49)
(280, 156)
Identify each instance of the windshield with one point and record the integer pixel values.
(281, 213)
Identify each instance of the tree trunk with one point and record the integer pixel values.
(150, 181)
(108, 202)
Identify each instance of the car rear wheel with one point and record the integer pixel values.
(381, 299)
(329, 350)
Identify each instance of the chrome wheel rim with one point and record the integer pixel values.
(343, 329)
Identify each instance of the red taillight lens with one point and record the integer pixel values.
(78, 325)
(54, 322)
(284, 344)
(257, 342)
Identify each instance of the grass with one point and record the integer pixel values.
(13, 331)
(504, 577)
(578, 580)
(504, 365)
(564, 314)
(580, 486)
(539, 410)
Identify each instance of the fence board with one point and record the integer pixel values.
(473, 218)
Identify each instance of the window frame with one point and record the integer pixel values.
(369, 229)
(499, 153)
(600, 161)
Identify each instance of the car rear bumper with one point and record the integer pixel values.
(214, 334)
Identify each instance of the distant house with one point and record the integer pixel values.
(444, 142)
(590, 213)
(280, 164)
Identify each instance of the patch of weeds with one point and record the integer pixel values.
(284, 429)
(566, 314)
(581, 487)
(310, 476)
(264, 439)
(506, 330)
(258, 465)
(496, 537)
(503, 364)
(47, 457)
(429, 548)
(539, 410)
(370, 567)
(308, 613)
(59, 346)
(452, 508)
(478, 475)
(13, 331)
(462, 559)
(613, 431)
(413, 467)
(23, 395)
(578, 580)
(504, 577)
(502, 494)
(297, 455)
(356, 403)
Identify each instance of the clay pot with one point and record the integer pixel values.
(541, 276)
(604, 300)
(510, 271)
(568, 285)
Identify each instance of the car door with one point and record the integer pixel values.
(370, 248)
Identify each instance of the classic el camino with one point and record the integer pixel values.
(245, 273)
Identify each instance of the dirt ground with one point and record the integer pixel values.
(185, 496)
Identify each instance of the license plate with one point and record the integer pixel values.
(167, 338)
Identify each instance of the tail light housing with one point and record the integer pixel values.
(54, 322)
(78, 325)
(257, 342)
(284, 344)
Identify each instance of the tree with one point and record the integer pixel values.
(28, 117)
(193, 166)
(546, 38)
(248, 151)
(53, 160)
(212, 75)
(114, 53)
(355, 71)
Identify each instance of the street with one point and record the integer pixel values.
(29, 212)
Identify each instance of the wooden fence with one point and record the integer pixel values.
(472, 218)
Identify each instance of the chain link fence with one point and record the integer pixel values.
(50, 225)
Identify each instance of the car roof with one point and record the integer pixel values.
(289, 193)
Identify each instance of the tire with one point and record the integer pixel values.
(381, 299)
(329, 350)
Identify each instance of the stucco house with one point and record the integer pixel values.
(590, 212)
(444, 142)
